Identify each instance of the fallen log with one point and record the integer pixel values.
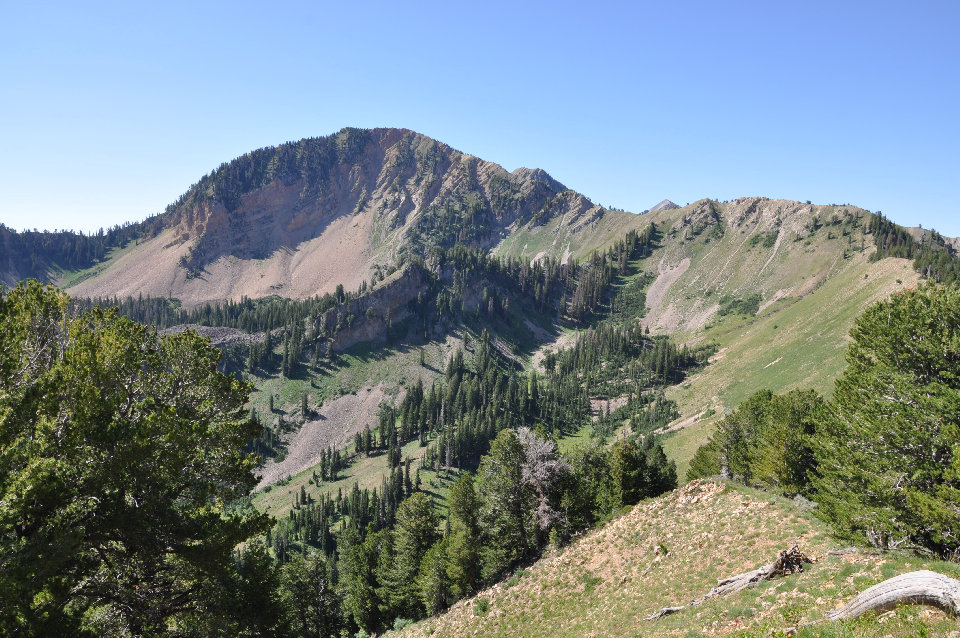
(922, 587)
(789, 561)
(843, 552)
(666, 611)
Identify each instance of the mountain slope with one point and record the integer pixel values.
(300, 218)
(775, 284)
(670, 550)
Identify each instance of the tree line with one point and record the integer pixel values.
(932, 257)
(35, 254)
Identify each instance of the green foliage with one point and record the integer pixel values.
(628, 467)
(461, 550)
(595, 276)
(767, 240)
(747, 306)
(414, 534)
(481, 607)
(433, 580)
(706, 460)
(888, 463)
(118, 453)
(767, 440)
(37, 254)
(312, 603)
(358, 580)
(253, 599)
(932, 256)
(505, 506)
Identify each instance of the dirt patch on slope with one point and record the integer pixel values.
(657, 293)
(565, 340)
(600, 406)
(338, 255)
(335, 425)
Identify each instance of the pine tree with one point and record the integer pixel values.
(415, 533)
(464, 537)
(314, 605)
(174, 447)
(358, 563)
(433, 583)
(888, 466)
(505, 508)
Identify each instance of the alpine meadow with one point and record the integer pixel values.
(368, 384)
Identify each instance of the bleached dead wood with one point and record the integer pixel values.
(789, 561)
(914, 588)
(666, 611)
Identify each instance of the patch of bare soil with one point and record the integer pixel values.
(672, 318)
(335, 425)
(657, 293)
(565, 340)
(539, 333)
(606, 405)
(339, 255)
(777, 296)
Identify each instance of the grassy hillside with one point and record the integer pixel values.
(670, 550)
(570, 236)
(795, 343)
(775, 285)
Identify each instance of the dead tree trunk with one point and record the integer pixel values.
(915, 588)
(789, 561)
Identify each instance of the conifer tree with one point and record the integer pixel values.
(464, 537)
(507, 502)
(119, 450)
(888, 469)
(415, 533)
(314, 607)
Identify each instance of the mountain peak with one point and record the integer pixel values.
(663, 205)
(302, 217)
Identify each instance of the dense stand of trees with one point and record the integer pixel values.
(118, 452)
(387, 551)
(524, 495)
(881, 457)
(295, 331)
(33, 253)
(932, 257)
(248, 315)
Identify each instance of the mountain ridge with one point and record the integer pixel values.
(280, 220)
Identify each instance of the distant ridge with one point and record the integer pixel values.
(302, 217)
(664, 205)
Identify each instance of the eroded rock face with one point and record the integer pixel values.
(298, 219)
(389, 301)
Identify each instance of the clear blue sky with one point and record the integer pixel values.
(111, 110)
